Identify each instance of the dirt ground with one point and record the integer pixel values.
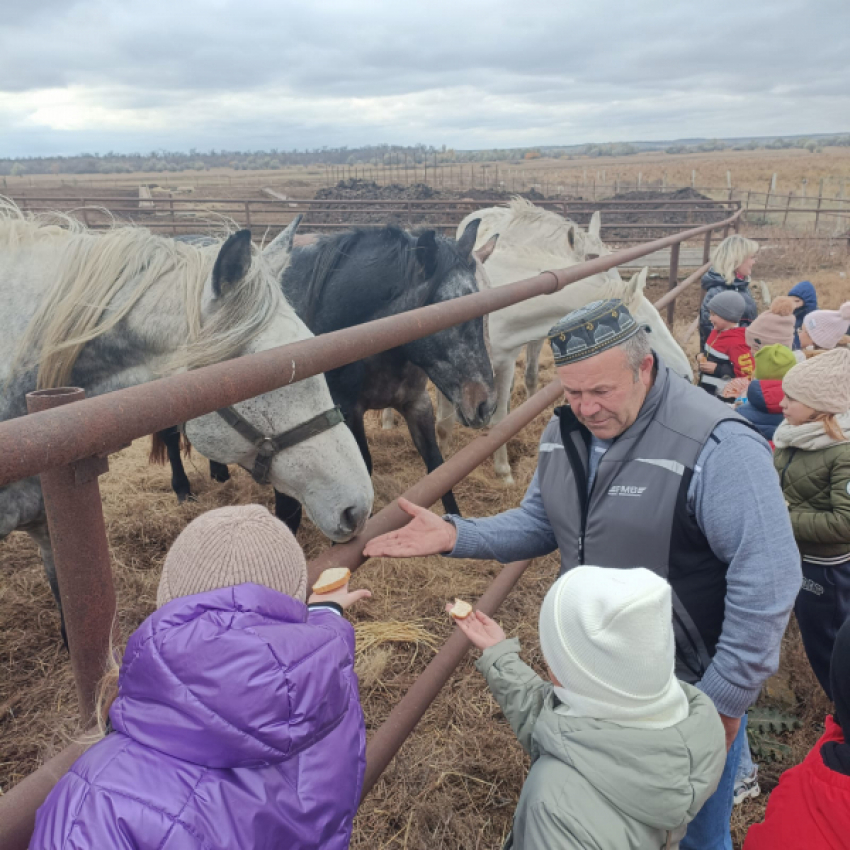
(456, 781)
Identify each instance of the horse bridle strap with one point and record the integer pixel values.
(268, 447)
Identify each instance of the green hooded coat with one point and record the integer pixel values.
(596, 785)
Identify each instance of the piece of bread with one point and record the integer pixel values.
(331, 580)
(460, 610)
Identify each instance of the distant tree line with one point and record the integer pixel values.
(375, 155)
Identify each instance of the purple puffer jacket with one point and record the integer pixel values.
(237, 725)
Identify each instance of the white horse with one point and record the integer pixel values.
(110, 310)
(530, 241)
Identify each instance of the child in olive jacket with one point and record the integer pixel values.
(813, 460)
(622, 754)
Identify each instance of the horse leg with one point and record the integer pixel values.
(179, 480)
(358, 429)
(39, 532)
(445, 423)
(288, 511)
(219, 472)
(504, 367)
(532, 366)
(388, 419)
(418, 412)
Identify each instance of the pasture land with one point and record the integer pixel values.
(457, 779)
(750, 170)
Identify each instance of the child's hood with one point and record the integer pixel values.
(235, 677)
(805, 291)
(658, 777)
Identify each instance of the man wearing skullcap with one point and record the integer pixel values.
(642, 468)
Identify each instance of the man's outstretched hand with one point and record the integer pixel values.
(425, 534)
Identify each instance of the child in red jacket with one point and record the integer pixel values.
(726, 354)
(810, 808)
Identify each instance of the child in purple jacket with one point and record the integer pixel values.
(237, 719)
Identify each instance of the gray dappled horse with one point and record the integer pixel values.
(109, 310)
(349, 278)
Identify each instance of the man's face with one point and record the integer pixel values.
(603, 392)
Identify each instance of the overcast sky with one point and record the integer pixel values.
(138, 75)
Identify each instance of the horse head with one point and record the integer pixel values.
(660, 337)
(456, 359)
(325, 471)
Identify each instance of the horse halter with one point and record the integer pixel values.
(268, 447)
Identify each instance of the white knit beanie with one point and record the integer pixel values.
(826, 327)
(822, 382)
(607, 635)
(230, 546)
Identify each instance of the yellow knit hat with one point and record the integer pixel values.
(230, 546)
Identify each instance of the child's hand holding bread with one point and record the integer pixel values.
(478, 627)
(332, 586)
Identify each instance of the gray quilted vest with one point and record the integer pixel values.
(636, 514)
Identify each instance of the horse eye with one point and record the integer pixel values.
(592, 257)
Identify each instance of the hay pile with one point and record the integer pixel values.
(457, 779)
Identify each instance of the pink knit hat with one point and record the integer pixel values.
(230, 546)
(826, 327)
(773, 327)
(822, 382)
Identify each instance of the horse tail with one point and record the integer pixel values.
(159, 448)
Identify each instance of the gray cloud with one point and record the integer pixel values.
(220, 73)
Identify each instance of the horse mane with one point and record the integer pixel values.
(392, 255)
(103, 275)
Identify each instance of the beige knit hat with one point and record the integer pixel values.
(607, 635)
(822, 383)
(230, 546)
(774, 326)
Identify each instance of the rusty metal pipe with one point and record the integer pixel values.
(674, 293)
(429, 489)
(18, 806)
(101, 425)
(394, 731)
(81, 555)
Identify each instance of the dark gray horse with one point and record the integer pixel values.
(349, 278)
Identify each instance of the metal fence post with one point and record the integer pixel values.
(706, 247)
(81, 554)
(674, 275)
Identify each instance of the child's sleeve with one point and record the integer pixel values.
(743, 361)
(832, 526)
(519, 691)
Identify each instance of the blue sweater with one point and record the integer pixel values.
(738, 504)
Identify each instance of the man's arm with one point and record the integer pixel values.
(523, 532)
(739, 507)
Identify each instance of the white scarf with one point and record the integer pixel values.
(810, 436)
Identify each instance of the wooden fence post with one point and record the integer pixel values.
(248, 214)
(787, 208)
(820, 201)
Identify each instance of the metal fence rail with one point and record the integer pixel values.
(75, 440)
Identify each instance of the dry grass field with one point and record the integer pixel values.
(456, 781)
(750, 170)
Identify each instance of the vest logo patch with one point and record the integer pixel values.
(812, 586)
(625, 490)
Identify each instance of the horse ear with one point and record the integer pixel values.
(467, 239)
(426, 252)
(278, 250)
(484, 252)
(595, 226)
(636, 285)
(232, 263)
(571, 235)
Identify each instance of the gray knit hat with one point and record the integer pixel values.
(822, 383)
(728, 305)
(230, 546)
(590, 330)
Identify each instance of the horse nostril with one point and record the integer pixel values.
(483, 411)
(349, 520)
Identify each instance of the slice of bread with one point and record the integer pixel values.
(460, 610)
(331, 580)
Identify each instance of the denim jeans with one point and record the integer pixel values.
(710, 830)
(745, 764)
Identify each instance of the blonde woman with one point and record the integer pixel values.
(731, 265)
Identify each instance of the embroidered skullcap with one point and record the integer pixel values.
(591, 329)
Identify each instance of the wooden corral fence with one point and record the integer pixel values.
(66, 439)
